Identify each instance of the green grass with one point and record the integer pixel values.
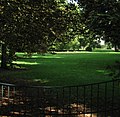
(64, 68)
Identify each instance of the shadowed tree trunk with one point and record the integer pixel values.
(116, 48)
(4, 56)
(11, 56)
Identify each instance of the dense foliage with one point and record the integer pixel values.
(39, 25)
(34, 25)
(101, 17)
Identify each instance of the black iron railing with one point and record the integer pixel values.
(92, 100)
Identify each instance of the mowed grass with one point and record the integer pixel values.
(64, 68)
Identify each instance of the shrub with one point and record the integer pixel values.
(114, 70)
(89, 49)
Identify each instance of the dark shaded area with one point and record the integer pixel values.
(97, 100)
(114, 70)
(4, 56)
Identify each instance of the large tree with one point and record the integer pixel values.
(102, 18)
(32, 25)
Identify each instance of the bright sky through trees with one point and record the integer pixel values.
(72, 1)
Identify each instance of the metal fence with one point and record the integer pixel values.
(91, 100)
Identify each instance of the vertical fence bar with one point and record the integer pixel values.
(50, 93)
(69, 88)
(14, 91)
(63, 90)
(8, 92)
(38, 96)
(57, 105)
(113, 85)
(91, 98)
(43, 102)
(13, 96)
(84, 94)
(8, 96)
(19, 99)
(106, 99)
(77, 99)
(98, 88)
(2, 91)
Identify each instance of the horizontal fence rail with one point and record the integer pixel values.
(91, 100)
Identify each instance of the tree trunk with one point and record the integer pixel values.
(11, 56)
(4, 56)
(116, 48)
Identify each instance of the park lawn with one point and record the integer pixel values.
(63, 68)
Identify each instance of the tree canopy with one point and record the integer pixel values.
(102, 18)
(35, 25)
(32, 25)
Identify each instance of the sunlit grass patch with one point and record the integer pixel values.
(41, 80)
(25, 63)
